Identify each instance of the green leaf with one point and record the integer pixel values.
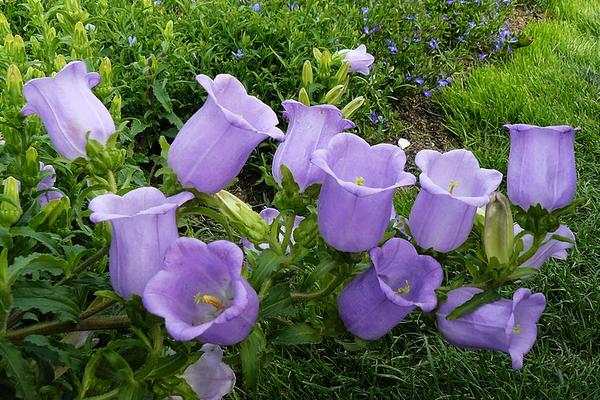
(35, 263)
(250, 353)
(49, 240)
(41, 295)
(523, 273)
(161, 95)
(326, 265)
(562, 239)
(58, 353)
(168, 366)
(277, 302)
(266, 263)
(297, 334)
(18, 369)
(473, 303)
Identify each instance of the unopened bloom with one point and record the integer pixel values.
(214, 144)
(356, 196)
(452, 187)
(309, 129)
(47, 184)
(504, 325)
(359, 59)
(143, 227)
(399, 281)
(541, 166)
(69, 109)
(201, 294)
(551, 248)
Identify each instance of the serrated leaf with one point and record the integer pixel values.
(266, 263)
(158, 88)
(58, 353)
(37, 262)
(50, 241)
(325, 266)
(17, 368)
(297, 334)
(250, 353)
(42, 296)
(277, 302)
(473, 303)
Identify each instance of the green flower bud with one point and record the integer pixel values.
(168, 31)
(303, 97)
(317, 54)
(73, 6)
(10, 211)
(498, 234)
(249, 223)
(80, 39)
(4, 26)
(14, 84)
(351, 107)
(36, 47)
(15, 48)
(115, 107)
(334, 95)
(307, 74)
(342, 72)
(59, 62)
(307, 232)
(33, 73)
(35, 7)
(325, 66)
(32, 167)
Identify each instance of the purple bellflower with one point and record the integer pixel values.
(46, 184)
(69, 109)
(143, 227)
(201, 294)
(541, 166)
(399, 281)
(452, 187)
(356, 196)
(504, 325)
(359, 59)
(214, 144)
(551, 248)
(309, 129)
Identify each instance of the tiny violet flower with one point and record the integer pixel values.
(504, 325)
(47, 185)
(239, 54)
(293, 5)
(376, 119)
(419, 80)
(269, 215)
(398, 281)
(358, 58)
(255, 7)
(201, 294)
(356, 196)
(434, 44)
(143, 227)
(90, 27)
(69, 109)
(364, 10)
(214, 144)
(452, 187)
(393, 50)
(471, 24)
(427, 93)
(309, 129)
(541, 166)
(551, 248)
(481, 56)
(132, 40)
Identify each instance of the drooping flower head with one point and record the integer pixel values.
(359, 59)
(143, 227)
(356, 196)
(201, 293)
(541, 166)
(214, 144)
(309, 129)
(69, 109)
(399, 281)
(452, 187)
(504, 325)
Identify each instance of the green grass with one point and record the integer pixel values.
(556, 80)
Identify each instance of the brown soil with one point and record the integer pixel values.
(523, 16)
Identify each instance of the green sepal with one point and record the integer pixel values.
(485, 297)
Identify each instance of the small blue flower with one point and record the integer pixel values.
(450, 2)
(481, 56)
(132, 40)
(364, 10)
(90, 27)
(419, 80)
(157, 2)
(427, 93)
(393, 50)
(416, 39)
(255, 7)
(410, 17)
(371, 31)
(434, 44)
(389, 42)
(238, 54)
(461, 39)
(293, 6)
(376, 119)
(471, 24)
(408, 78)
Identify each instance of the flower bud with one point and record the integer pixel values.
(59, 62)
(106, 72)
(4, 26)
(168, 31)
(33, 73)
(351, 107)
(334, 95)
(115, 107)
(247, 221)
(303, 97)
(72, 6)
(35, 7)
(342, 72)
(307, 74)
(10, 213)
(32, 167)
(80, 39)
(15, 48)
(325, 65)
(14, 84)
(317, 54)
(498, 234)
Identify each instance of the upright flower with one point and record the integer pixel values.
(47, 184)
(505, 325)
(309, 129)
(359, 59)
(201, 294)
(452, 187)
(356, 196)
(69, 109)
(143, 227)
(551, 248)
(214, 144)
(399, 281)
(541, 166)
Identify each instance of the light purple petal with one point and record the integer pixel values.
(210, 377)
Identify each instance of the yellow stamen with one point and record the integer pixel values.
(517, 329)
(453, 185)
(405, 289)
(360, 181)
(208, 299)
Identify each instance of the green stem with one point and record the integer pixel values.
(299, 297)
(537, 241)
(93, 259)
(288, 223)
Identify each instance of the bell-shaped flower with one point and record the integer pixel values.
(69, 109)
(210, 377)
(550, 248)
(356, 196)
(399, 281)
(359, 59)
(452, 187)
(143, 227)
(214, 144)
(46, 184)
(309, 129)
(201, 294)
(541, 166)
(269, 215)
(504, 325)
